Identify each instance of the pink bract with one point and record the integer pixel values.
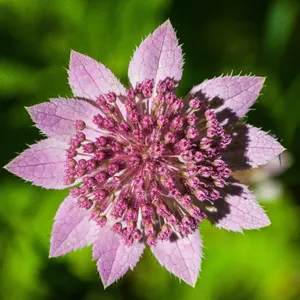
(147, 166)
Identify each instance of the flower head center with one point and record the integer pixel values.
(146, 168)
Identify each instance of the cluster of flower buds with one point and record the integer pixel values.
(146, 174)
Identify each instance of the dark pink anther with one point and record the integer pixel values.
(89, 148)
(111, 97)
(195, 103)
(117, 228)
(151, 240)
(170, 138)
(113, 168)
(192, 119)
(80, 136)
(71, 163)
(101, 221)
(147, 122)
(84, 202)
(101, 141)
(80, 125)
(101, 177)
(165, 232)
(98, 120)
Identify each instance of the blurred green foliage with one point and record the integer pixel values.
(218, 36)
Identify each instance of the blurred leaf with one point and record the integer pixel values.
(291, 109)
(279, 26)
(12, 78)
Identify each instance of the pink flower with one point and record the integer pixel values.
(147, 165)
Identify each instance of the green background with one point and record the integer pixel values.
(259, 37)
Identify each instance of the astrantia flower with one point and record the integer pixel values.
(146, 166)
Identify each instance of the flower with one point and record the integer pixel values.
(146, 166)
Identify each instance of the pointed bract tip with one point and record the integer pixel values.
(53, 253)
(166, 23)
(73, 53)
(263, 78)
(26, 107)
(192, 283)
